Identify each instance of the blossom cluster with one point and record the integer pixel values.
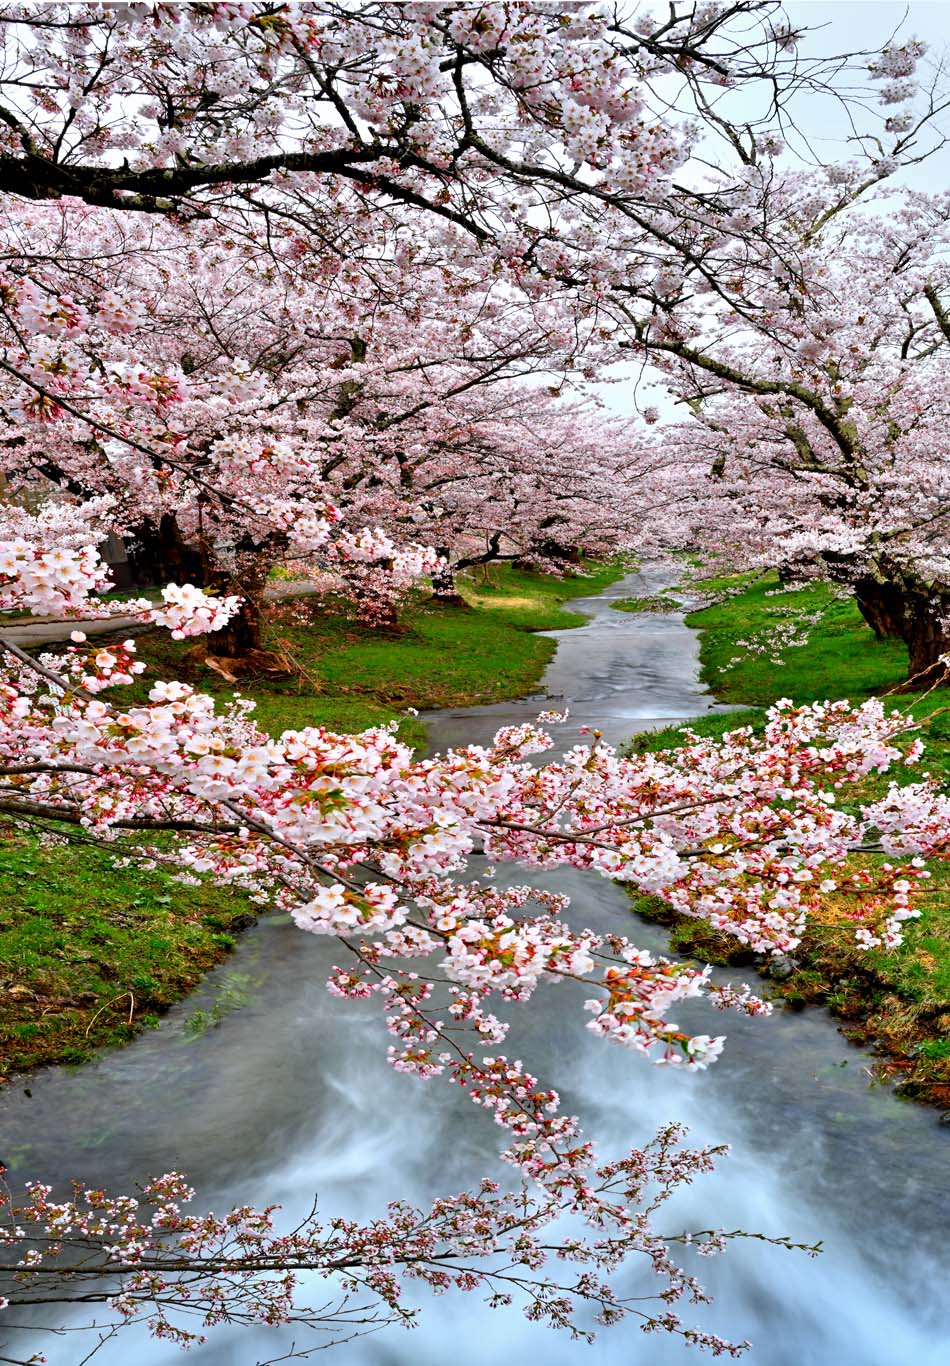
(187, 611)
(49, 562)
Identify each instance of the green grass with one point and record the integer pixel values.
(89, 954)
(841, 658)
(900, 999)
(443, 656)
(657, 604)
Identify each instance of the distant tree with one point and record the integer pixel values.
(819, 403)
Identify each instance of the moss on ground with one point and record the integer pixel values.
(90, 953)
(900, 1001)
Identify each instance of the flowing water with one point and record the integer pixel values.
(290, 1094)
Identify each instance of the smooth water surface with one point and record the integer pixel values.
(290, 1094)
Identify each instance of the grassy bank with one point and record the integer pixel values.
(352, 676)
(661, 603)
(91, 954)
(744, 660)
(901, 1000)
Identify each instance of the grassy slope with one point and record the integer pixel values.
(901, 999)
(84, 946)
(841, 658)
(442, 657)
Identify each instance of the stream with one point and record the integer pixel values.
(290, 1094)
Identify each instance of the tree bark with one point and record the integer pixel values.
(928, 639)
(882, 605)
(917, 615)
(548, 552)
(158, 554)
(566, 554)
(242, 638)
(443, 583)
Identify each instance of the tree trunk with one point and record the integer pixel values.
(158, 554)
(443, 584)
(919, 616)
(541, 555)
(243, 633)
(566, 554)
(928, 639)
(883, 607)
(238, 648)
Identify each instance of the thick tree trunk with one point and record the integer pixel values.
(567, 554)
(443, 581)
(928, 641)
(544, 553)
(242, 638)
(243, 634)
(238, 648)
(375, 608)
(882, 605)
(919, 616)
(158, 554)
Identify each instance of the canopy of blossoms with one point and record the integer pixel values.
(224, 316)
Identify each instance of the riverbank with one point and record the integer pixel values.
(91, 954)
(759, 643)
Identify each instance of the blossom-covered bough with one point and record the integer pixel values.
(164, 109)
(807, 351)
(288, 409)
(226, 226)
(147, 1258)
(818, 404)
(358, 839)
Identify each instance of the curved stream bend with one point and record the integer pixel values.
(291, 1094)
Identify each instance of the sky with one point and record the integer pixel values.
(836, 26)
(847, 25)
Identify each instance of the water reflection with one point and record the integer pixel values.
(291, 1094)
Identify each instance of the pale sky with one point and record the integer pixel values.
(838, 26)
(844, 25)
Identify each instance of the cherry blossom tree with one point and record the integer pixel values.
(179, 443)
(815, 442)
(319, 133)
(392, 392)
(292, 142)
